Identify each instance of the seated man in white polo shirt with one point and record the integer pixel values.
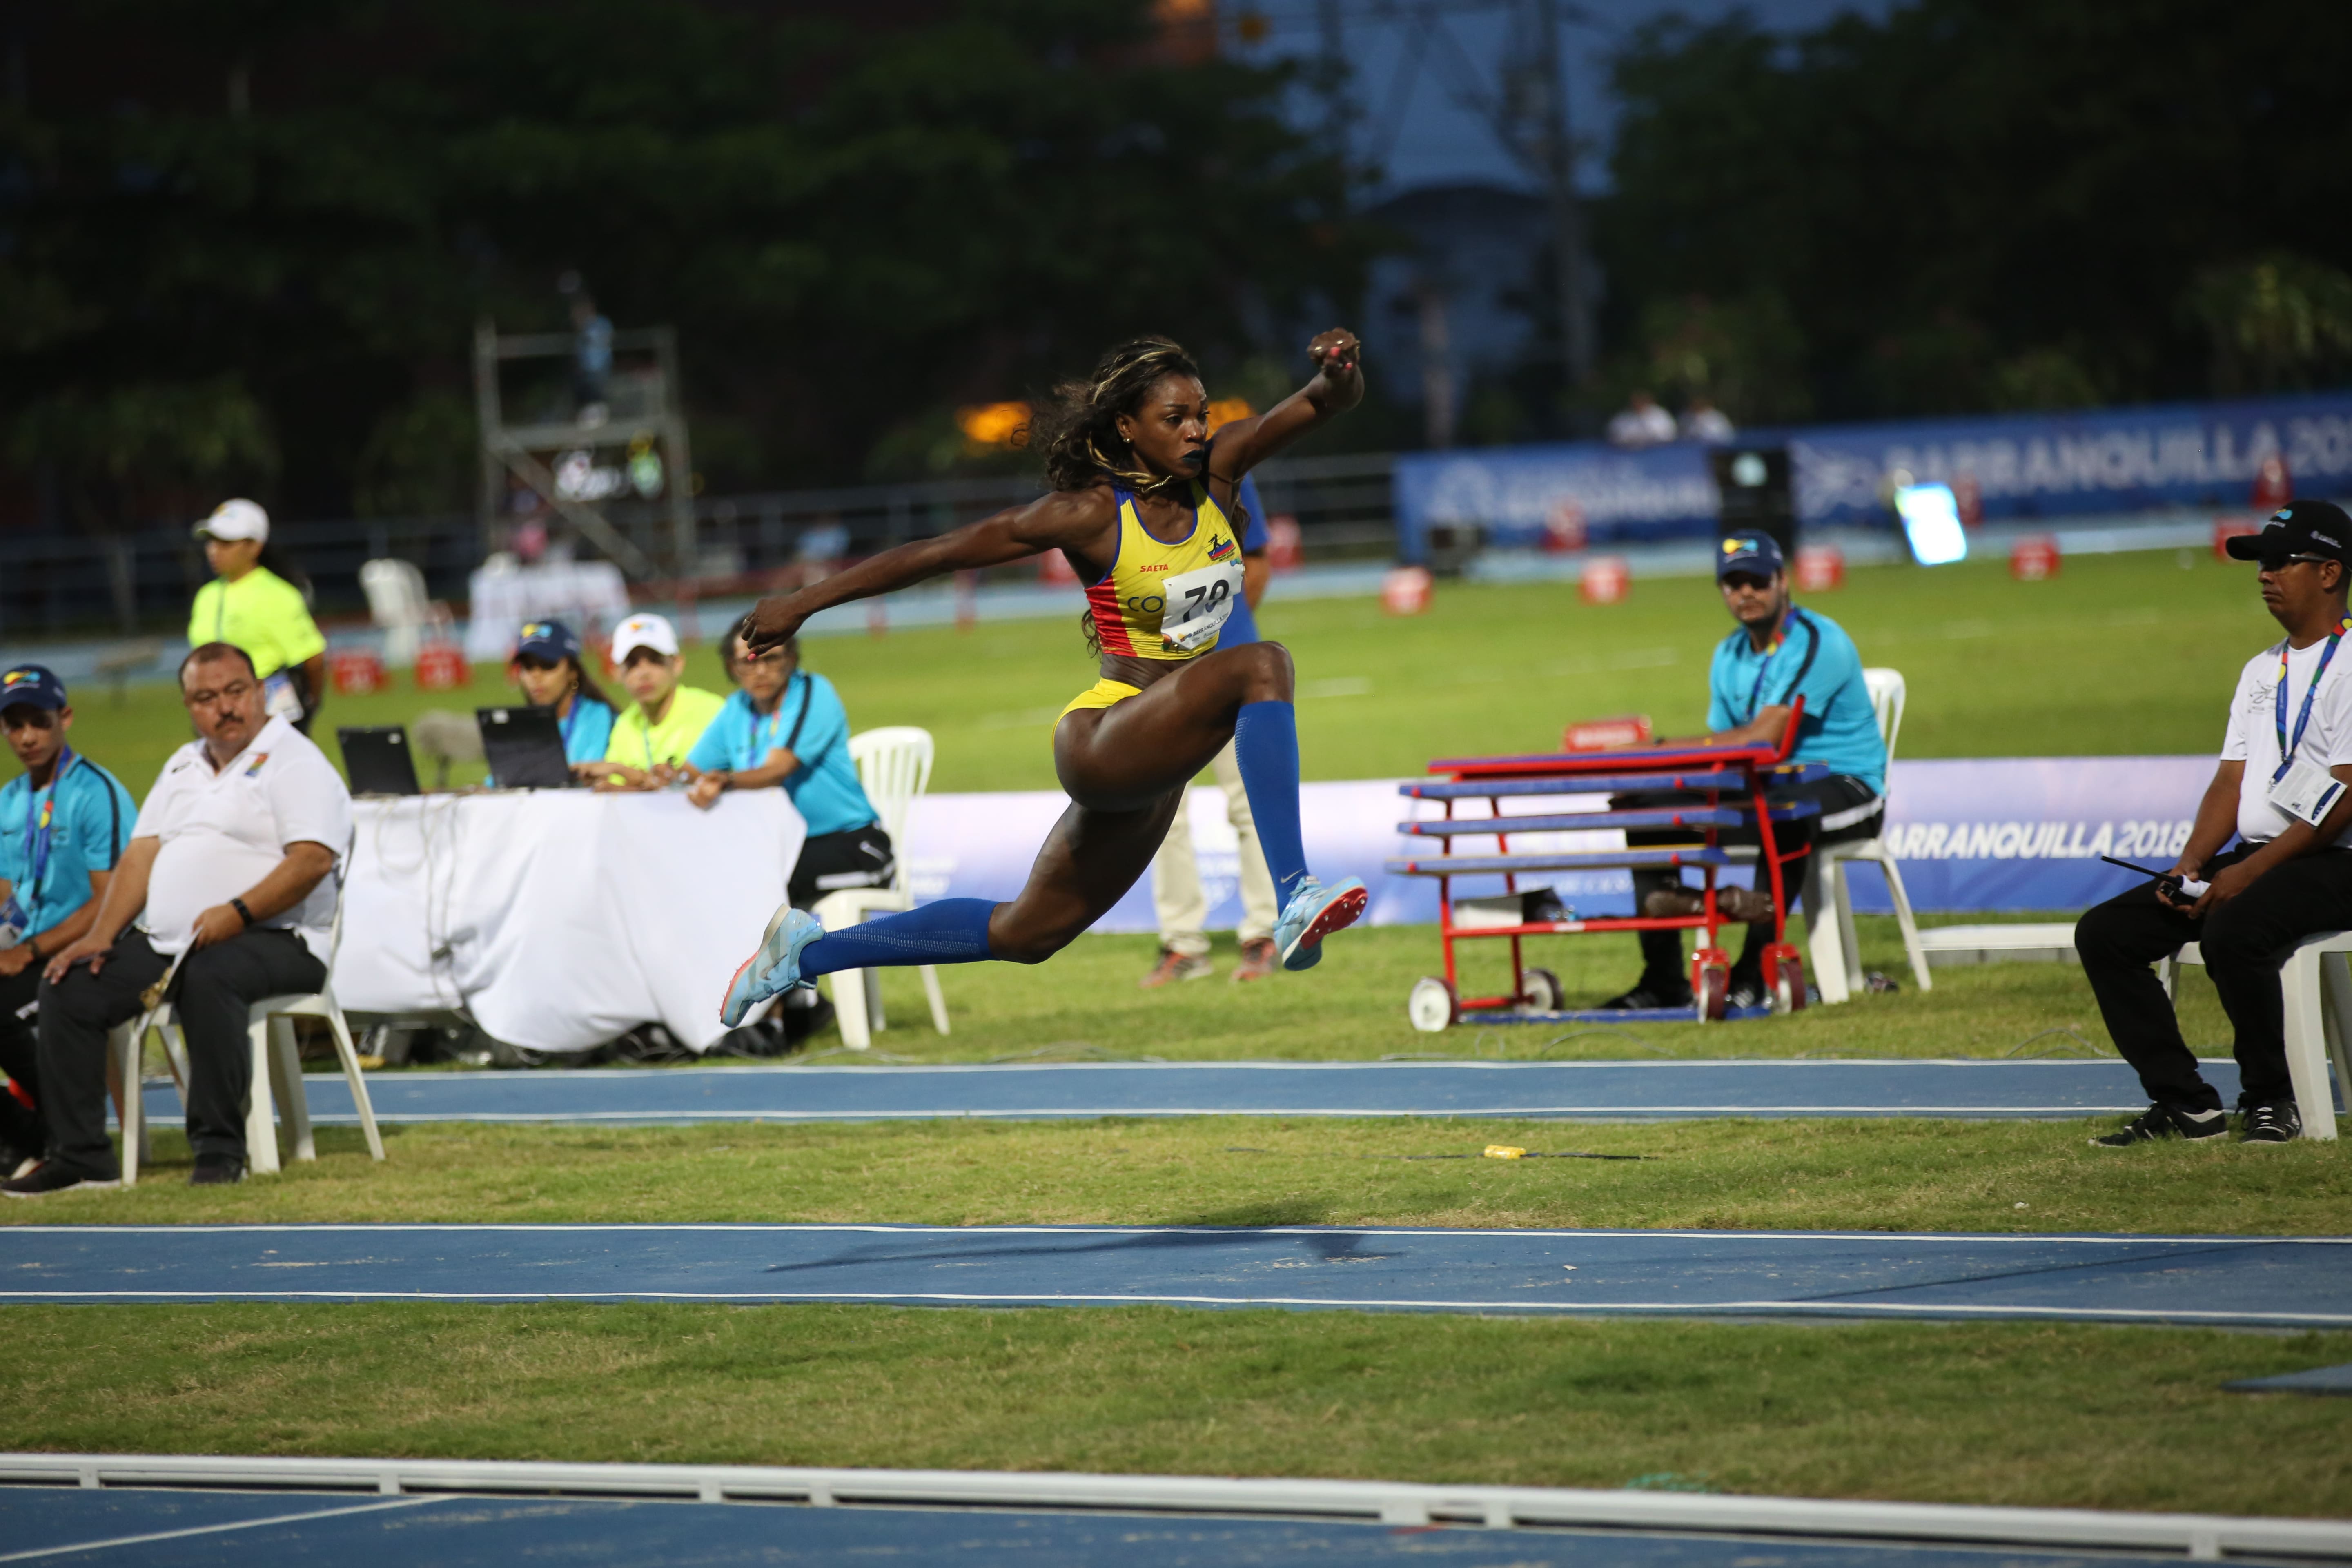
(229, 861)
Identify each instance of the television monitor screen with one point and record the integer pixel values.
(1931, 523)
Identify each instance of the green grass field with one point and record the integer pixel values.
(2121, 655)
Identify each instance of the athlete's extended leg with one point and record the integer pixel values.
(1089, 861)
(1243, 694)
(1125, 768)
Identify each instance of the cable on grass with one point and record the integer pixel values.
(1522, 1154)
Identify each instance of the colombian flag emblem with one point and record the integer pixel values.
(1221, 548)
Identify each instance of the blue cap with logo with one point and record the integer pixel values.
(1757, 554)
(549, 640)
(33, 685)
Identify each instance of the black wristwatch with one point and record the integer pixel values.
(242, 912)
(34, 942)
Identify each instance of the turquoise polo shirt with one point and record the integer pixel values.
(811, 724)
(90, 827)
(587, 729)
(1814, 659)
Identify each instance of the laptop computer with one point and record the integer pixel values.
(524, 747)
(378, 760)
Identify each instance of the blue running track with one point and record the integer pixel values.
(2250, 1281)
(127, 1528)
(1589, 1090)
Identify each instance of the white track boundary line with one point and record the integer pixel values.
(80, 1546)
(1237, 1233)
(2196, 1536)
(1048, 1299)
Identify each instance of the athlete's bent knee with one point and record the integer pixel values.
(1269, 676)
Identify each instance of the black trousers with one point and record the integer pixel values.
(1839, 797)
(216, 987)
(20, 1127)
(859, 858)
(2245, 944)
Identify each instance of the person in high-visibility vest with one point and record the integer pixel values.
(250, 604)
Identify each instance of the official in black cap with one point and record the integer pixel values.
(2281, 791)
(1779, 653)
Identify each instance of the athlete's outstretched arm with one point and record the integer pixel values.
(1337, 386)
(1082, 520)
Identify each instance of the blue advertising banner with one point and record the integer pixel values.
(2011, 833)
(2094, 461)
(2054, 464)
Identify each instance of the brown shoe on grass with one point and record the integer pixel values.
(1259, 960)
(1174, 965)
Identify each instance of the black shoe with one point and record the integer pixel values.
(2279, 1124)
(1644, 997)
(51, 1177)
(2161, 1120)
(217, 1170)
(1746, 991)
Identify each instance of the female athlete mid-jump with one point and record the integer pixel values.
(1141, 504)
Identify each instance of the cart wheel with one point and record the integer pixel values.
(1711, 983)
(1784, 970)
(1430, 1005)
(1540, 991)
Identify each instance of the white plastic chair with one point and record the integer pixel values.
(277, 1068)
(894, 764)
(398, 603)
(1836, 956)
(2316, 987)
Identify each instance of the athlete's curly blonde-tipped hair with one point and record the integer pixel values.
(1077, 430)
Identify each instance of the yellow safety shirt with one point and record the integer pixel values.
(261, 613)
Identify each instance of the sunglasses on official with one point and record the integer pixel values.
(2281, 561)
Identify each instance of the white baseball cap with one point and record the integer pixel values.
(235, 520)
(644, 631)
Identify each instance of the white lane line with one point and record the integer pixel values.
(1521, 1308)
(211, 1529)
(1235, 1232)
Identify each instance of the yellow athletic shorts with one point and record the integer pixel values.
(1101, 694)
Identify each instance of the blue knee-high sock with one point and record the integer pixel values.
(946, 931)
(1266, 743)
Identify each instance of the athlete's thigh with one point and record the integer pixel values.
(1132, 753)
(1088, 862)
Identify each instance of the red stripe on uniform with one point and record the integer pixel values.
(1109, 624)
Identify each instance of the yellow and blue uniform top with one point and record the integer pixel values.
(261, 613)
(1163, 600)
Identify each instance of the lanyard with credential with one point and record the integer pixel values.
(1788, 623)
(2289, 746)
(756, 754)
(40, 813)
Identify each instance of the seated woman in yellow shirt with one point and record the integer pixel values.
(650, 741)
(250, 606)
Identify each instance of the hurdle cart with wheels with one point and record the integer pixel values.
(1727, 784)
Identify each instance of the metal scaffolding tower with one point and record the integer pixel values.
(639, 411)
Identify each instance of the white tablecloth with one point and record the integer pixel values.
(562, 918)
(572, 591)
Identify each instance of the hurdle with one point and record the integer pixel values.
(1730, 781)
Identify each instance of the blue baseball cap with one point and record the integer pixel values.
(549, 640)
(1757, 554)
(33, 685)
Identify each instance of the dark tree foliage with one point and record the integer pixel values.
(1978, 204)
(244, 244)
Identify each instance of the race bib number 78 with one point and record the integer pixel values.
(1198, 602)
